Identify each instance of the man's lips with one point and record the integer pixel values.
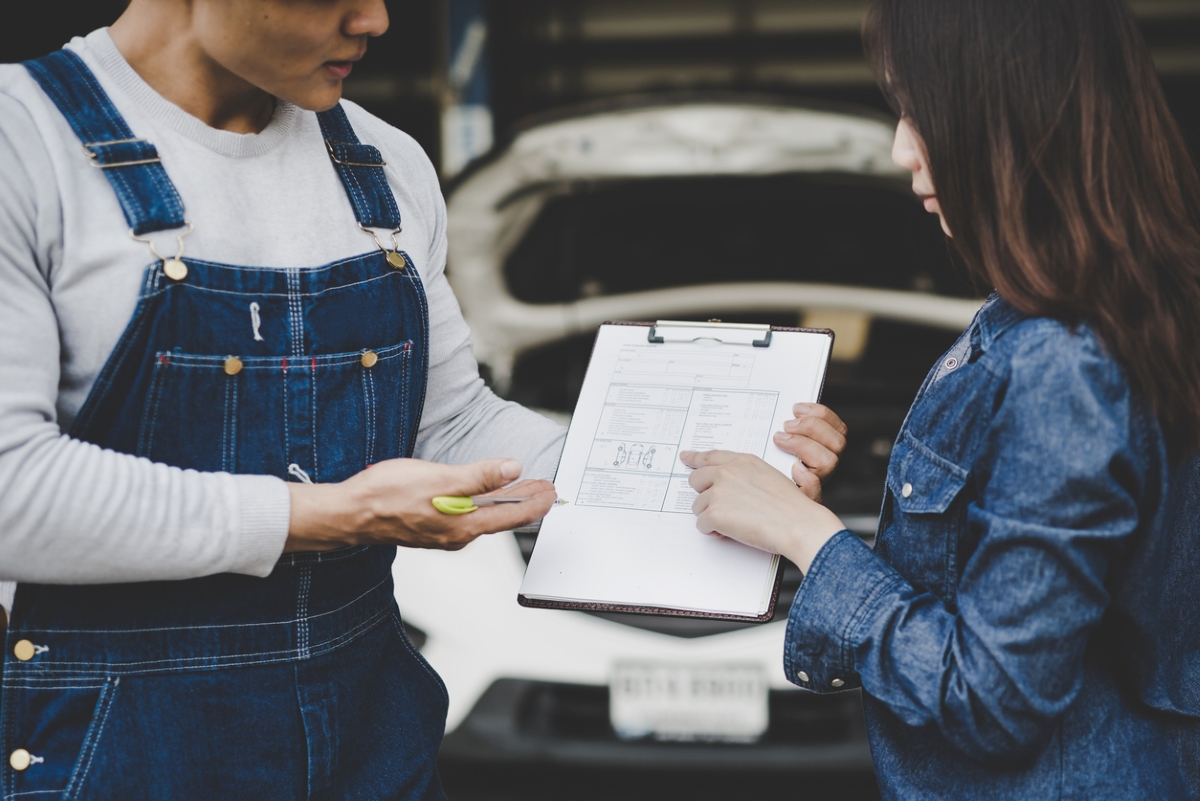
(340, 69)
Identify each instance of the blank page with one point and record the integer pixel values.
(627, 535)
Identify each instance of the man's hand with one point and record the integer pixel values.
(390, 503)
(816, 437)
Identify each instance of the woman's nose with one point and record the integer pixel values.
(904, 149)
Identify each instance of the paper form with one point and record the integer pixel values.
(628, 535)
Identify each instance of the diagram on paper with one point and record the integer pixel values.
(634, 457)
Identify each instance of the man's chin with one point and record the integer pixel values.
(318, 99)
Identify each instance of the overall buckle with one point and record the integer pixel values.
(94, 155)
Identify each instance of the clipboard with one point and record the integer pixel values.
(729, 341)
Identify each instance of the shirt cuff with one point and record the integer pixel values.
(843, 584)
(266, 510)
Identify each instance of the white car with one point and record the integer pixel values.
(747, 210)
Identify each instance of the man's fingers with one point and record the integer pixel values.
(706, 458)
(821, 413)
(522, 489)
(505, 516)
(481, 477)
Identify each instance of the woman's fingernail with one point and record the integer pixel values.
(685, 455)
(782, 436)
(801, 466)
(510, 470)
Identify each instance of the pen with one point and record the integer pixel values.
(461, 504)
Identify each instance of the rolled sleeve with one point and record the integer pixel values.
(843, 587)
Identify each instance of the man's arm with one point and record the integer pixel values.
(71, 512)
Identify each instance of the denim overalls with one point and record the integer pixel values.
(299, 685)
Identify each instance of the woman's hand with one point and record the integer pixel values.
(816, 437)
(390, 503)
(744, 498)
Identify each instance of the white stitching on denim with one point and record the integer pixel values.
(417, 655)
(298, 472)
(90, 741)
(312, 391)
(230, 660)
(302, 612)
(369, 401)
(200, 361)
(295, 314)
(150, 421)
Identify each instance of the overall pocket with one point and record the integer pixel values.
(58, 724)
(928, 511)
(332, 414)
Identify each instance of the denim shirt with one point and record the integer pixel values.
(1026, 626)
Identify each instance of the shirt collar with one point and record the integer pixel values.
(995, 317)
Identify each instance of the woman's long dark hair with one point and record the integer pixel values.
(1061, 173)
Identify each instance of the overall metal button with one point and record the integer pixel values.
(19, 759)
(233, 365)
(395, 259)
(23, 650)
(837, 682)
(175, 269)
(369, 358)
(906, 490)
(800, 674)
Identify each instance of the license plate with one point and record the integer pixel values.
(723, 703)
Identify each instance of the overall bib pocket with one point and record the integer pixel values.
(53, 726)
(332, 414)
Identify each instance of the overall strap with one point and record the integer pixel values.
(132, 165)
(361, 169)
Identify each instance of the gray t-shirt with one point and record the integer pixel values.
(71, 512)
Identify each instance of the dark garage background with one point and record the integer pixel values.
(458, 74)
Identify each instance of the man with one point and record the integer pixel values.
(233, 377)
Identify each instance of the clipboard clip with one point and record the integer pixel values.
(755, 334)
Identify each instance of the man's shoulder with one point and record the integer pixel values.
(399, 149)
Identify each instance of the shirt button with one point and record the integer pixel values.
(837, 683)
(801, 675)
(950, 363)
(906, 490)
(369, 358)
(23, 650)
(19, 759)
(233, 365)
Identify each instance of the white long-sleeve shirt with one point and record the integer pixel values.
(71, 512)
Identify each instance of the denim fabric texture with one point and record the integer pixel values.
(147, 195)
(1026, 624)
(299, 685)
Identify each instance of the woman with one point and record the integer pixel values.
(1024, 627)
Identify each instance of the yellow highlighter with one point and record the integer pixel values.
(462, 504)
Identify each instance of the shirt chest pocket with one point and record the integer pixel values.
(928, 516)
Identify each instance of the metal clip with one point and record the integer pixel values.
(336, 160)
(92, 155)
(174, 268)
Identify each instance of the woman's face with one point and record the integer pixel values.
(909, 153)
(297, 50)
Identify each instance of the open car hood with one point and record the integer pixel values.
(496, 203)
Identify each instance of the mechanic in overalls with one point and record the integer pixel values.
(222, 300)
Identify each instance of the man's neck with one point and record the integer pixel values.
(157, 40)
